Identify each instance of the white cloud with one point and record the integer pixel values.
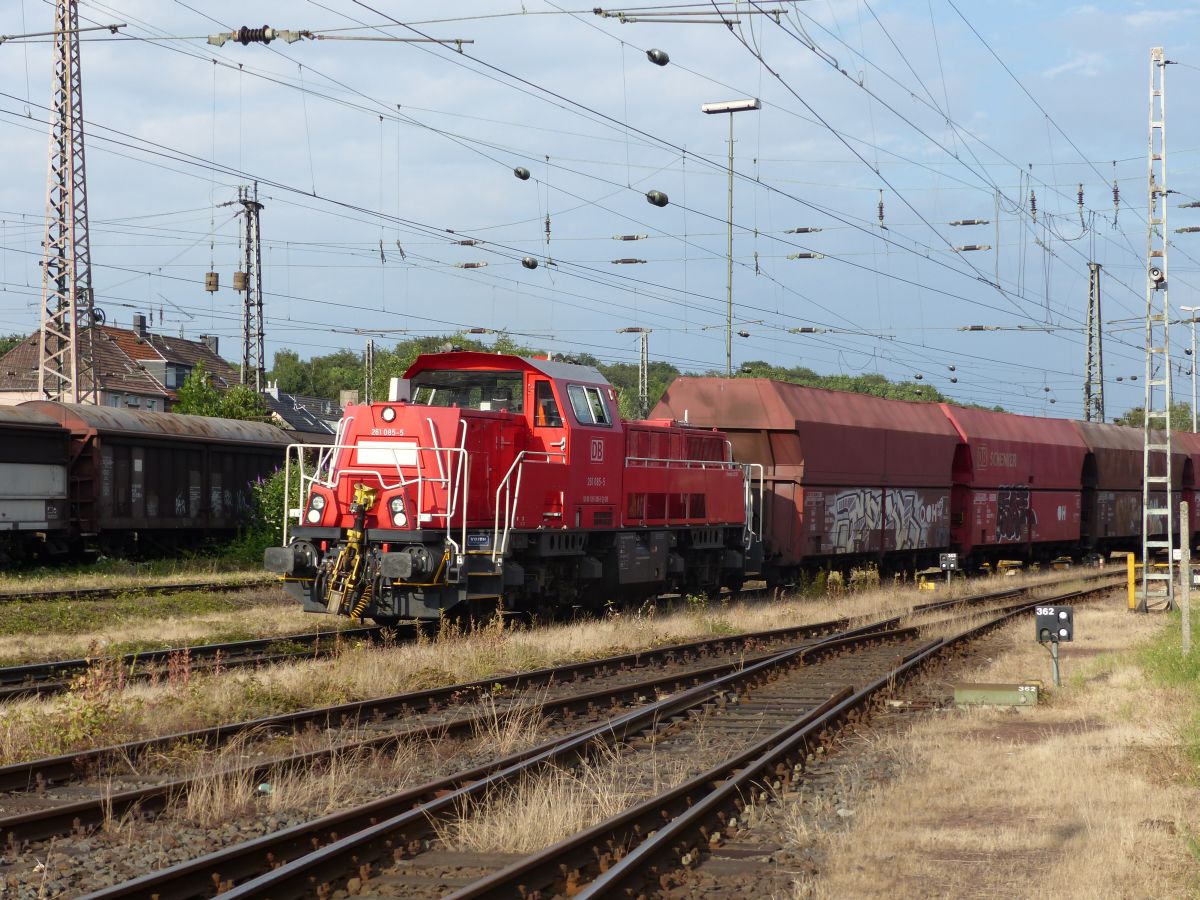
(1081, 63)
(1157, 18)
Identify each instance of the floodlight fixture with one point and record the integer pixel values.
(731, 106)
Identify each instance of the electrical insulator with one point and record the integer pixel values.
(1116, 196)
(881, 225)
(1033, 204)
(1080, 196)
(262, 35)
(547, 226)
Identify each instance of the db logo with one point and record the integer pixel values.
(597, 450)
(981, 456)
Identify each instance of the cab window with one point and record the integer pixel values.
(473, 389)
(545, 407)
(588, 405)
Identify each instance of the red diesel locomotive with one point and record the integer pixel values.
(494, 480)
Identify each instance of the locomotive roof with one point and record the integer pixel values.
(110, 420)
(20, 417)
(471, 359)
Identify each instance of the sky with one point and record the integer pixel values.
(375, 159)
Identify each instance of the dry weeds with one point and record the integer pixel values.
(122, 574)
(1085, 796)
(221, 794)
(38, 727)
(253, 613)
(546, 807)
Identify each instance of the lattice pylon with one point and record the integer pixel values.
(253, 333)
(1093, 384)
(1158, 501)
(66, 358)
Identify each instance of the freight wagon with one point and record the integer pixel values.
(850, 478)
(158, 479)
(33, 484)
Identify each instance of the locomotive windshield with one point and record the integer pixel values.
(470, 389)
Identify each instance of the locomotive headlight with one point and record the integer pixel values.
(388, 414)
(316, 503)
(399, 518)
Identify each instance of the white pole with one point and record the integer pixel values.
(1185, 567)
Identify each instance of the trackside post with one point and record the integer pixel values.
(1185, 567)
(1131, 569)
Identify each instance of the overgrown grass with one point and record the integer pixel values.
(68, 617)
(1164, 661)
(115, 573)
(360, 671)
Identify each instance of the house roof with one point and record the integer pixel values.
(121, 356)
(311, 415)
(175, 350)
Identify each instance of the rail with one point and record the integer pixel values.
(415, 809)
(511, 489)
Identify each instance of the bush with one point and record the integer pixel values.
(263, 527)
(864, 579)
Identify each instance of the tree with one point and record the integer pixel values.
(8, 341)
(872, 383)
(1181, 417)
(291, 373)
(196, 396)
(243, 402)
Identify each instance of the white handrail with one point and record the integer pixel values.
(325, 474)
(754, 518)
(512, 498)
(684, 463)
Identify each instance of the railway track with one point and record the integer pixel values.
(54, 677)
(447, 713)
(109, 593)
(639, 849)
(601, 712)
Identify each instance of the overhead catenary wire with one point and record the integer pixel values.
(556, 235)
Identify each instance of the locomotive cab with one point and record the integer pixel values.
(499, 481)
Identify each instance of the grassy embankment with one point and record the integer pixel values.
(1095, 793)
